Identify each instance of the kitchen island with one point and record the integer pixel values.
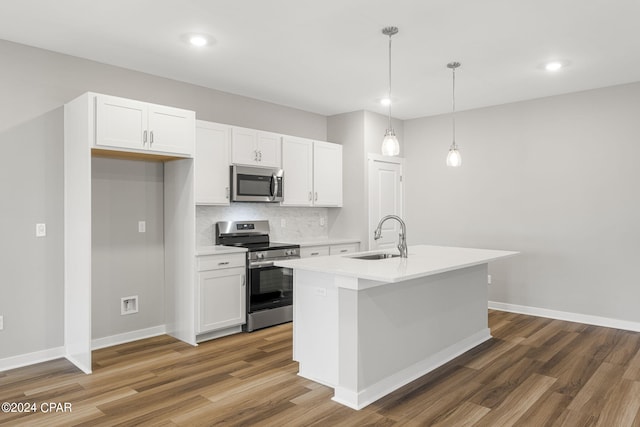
(367, 327)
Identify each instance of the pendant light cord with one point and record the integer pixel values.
(390, 35)
(453, 104)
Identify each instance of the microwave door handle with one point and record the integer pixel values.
(274, 186)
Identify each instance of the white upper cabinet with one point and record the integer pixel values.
(255, 148)
(211, 163)
(312, 172)
(143, 127)
(297, 164)
(327, 174)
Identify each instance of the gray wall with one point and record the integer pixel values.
(555, 178)
(34, 84)
(125, 262)
(31, 268)
(360, 133)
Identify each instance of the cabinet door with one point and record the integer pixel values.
(121, 123)
(347, 248)
(244, 146)
(311, 251)
(297, 163)
(211, 160)
(269, 149)
(327, 174)
(222, 299)
(171, 130)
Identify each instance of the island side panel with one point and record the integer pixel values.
(407, 329)
(315, 326)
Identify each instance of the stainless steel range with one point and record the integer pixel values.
(270, 288)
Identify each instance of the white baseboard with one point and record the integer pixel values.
(128, 337)
(31, 358)
(360, 399)
(568, 316)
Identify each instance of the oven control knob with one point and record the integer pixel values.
(260, 255)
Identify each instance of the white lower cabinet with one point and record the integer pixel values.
(324, 250)
(311, 251)
(348, 248)
(221, 292)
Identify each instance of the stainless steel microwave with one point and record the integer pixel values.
(256, 184)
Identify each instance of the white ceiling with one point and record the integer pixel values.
(329, 56)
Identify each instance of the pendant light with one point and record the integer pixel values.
(390, 145)
(453, 158)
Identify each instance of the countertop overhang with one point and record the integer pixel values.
(423, 260)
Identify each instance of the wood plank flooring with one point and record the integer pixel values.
(534, 372)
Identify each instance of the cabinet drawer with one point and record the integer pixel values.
(216, 262)
(314, 251)
(348, 248)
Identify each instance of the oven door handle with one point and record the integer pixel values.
(260, 264)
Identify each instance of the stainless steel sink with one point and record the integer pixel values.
(375, 256)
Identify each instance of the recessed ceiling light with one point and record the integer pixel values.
(553, 66)
(197, 39)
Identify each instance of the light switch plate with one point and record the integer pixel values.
(41, 230)
(142, 227)
(1, 323)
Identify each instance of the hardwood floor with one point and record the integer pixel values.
(534, 372)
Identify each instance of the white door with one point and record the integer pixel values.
(211, 160)
(385, 198)
(269, 150)
(297, 163)
(244, 150)
(171, 130)
(327, 174)
(121, 123)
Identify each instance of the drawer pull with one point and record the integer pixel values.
(315, 253)
(344, 250)
(223, 263)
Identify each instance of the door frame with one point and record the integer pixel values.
(371, 158)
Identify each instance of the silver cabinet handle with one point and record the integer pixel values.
(244, 280)
(315, 253)
(255, 155)
(144, 137)
(310, 196)
(223, 263)
(151, 138)
(344, 250)
(260, 155)
(226, 192)
(316, 199)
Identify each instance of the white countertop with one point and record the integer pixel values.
(423, 260)
(218, 250)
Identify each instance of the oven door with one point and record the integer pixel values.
(269, 286)
(254, 184)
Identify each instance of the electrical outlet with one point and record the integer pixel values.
(142, 226)
(129, 305)
(41, 230)
(322, 221)
(1, 323)
(489, 279)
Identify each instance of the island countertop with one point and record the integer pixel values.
(423, 260)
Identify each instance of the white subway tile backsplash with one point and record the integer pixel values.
(301, 224)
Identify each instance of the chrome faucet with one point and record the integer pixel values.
(402, 242)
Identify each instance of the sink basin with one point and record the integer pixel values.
(375, 256)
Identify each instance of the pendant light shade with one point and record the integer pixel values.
(390, 144)
(454, 159)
